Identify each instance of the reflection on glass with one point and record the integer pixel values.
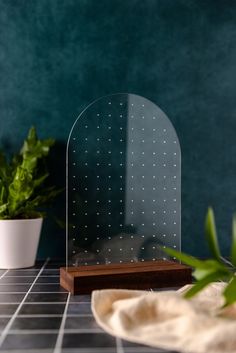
(123, 183)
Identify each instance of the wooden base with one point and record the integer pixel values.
(139, 275)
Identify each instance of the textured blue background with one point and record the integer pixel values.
(57, 56)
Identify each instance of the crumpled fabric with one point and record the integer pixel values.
(167, 320)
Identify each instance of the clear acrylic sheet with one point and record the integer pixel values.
(123, 183)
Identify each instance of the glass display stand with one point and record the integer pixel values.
(123, 194)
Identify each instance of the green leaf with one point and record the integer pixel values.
(4, 169)
(3, 209)
(211, 234)
(212, 277)
(20, 190)
(45, 198)
(16, 162)
(230, 292)
(48, 195)
(209, 266)
(3, 193)
(233, 246)
(187, 259)
(39, 181)
(61, 223)
(30, 141)
(34, 149)
(30, 214)
(2, 166)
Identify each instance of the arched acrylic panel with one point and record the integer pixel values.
(123, 183)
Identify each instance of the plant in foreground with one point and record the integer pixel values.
(22, 180)
(215, 269)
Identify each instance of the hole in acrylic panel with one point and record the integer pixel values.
(123, 183)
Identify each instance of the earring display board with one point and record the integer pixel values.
(123, 194)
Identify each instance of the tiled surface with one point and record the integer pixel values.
(38, 316)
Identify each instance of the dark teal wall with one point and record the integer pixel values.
(56, 56)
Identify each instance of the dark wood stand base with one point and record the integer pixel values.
(140, 275)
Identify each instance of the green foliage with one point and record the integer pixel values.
(233, 247)
(211, 234)
(22, 190)
(212, 270)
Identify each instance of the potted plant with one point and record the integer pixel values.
(22, 195)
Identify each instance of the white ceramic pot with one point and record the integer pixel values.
(19, 240)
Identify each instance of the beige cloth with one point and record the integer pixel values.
(167, 320)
